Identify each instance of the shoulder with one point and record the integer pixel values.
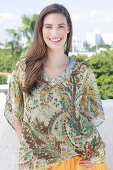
(81, 70)
(19, 67)
(20, 64)
(19, 70)
(80, 66)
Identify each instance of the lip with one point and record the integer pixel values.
(55, 38)
(55, 42)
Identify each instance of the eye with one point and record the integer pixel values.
(61, 27)
(48, 27)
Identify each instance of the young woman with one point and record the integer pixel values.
(53, 102)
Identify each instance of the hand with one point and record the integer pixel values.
(85, 163)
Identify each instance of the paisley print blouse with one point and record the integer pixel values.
(59, 120)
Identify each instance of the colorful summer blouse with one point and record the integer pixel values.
(60, 119)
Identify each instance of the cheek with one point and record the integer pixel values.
(63, 32)
(45, 33)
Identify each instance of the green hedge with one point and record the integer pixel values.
(3, 79)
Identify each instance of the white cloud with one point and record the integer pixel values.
(6, 16)
(8, 21)
(38, 12)
(94, 16)
(109, 16)
(101, 16)
(93, 13)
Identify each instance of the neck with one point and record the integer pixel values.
(56, 56)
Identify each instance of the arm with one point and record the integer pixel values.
(14, 108)
(91, 108)
(18, 128)
(91, 105)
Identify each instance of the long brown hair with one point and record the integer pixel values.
(38, 51)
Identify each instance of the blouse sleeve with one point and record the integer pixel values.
(91, 101)
(14, 107)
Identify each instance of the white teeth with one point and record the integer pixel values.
(55, 39)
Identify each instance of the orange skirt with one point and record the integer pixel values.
(73, 164)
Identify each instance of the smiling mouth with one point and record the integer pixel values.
(55, 40)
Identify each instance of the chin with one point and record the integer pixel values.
(56, 48)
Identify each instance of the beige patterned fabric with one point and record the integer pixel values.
(59, 120)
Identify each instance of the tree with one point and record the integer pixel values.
(16, 48)
(102, 66)
(14, 45)
(27, 31)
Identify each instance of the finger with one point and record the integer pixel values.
(88, 165)
(84, 161)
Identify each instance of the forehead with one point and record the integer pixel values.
(54, 18)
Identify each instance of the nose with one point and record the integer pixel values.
(54, 31)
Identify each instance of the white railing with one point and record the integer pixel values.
(4, 88)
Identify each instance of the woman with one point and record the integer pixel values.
(53, 102)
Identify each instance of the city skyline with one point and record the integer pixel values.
(86, 16)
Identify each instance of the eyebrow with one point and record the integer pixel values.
(58, 24)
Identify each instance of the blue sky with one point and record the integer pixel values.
(87, 15)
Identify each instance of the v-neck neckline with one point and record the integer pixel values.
(60, 74)
(61, 77)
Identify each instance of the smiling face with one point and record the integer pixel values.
(55, 29)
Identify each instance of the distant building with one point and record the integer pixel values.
(77, 44)
(99, 40)
(96, 38)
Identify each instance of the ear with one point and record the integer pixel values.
(68, 29)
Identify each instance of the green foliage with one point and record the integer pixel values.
(7, 62)
(3, 79)
(94, 48)
(102, 66)
(27, 29)
(81, 57)
(14, 49)
(14, 45)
